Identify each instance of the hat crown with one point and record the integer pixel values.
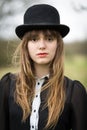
(42, 14)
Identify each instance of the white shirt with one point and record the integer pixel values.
(34, 118)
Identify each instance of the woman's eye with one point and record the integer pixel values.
(34, 39)
(50, 39)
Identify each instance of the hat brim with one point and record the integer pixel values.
(22, 29)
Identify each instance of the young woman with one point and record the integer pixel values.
(40, 97)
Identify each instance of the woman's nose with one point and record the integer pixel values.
(42, 44)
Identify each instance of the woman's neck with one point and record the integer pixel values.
(41, 70)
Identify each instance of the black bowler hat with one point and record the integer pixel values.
(41, 16)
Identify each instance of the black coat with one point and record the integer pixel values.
(74, 115)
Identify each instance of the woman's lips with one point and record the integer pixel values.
(42, 55)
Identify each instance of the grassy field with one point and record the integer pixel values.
(75, 68)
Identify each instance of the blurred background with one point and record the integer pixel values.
(72, 13)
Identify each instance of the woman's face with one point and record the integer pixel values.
(42, 47)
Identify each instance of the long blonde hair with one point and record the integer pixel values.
(25, 85)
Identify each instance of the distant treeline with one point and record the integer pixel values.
(76, 48)
(7, 49)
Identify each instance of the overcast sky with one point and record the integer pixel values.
(77, 21)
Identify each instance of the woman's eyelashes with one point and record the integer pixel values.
(49, 38)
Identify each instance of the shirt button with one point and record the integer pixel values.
(34, 110)
(36, 95)
(38, 83)
(32, 126)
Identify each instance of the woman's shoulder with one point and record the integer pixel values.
(7, 83)
(74, 88)
(7, 78)
(69, 83)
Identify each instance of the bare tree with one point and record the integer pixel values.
(80, 6)
(11, 8)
